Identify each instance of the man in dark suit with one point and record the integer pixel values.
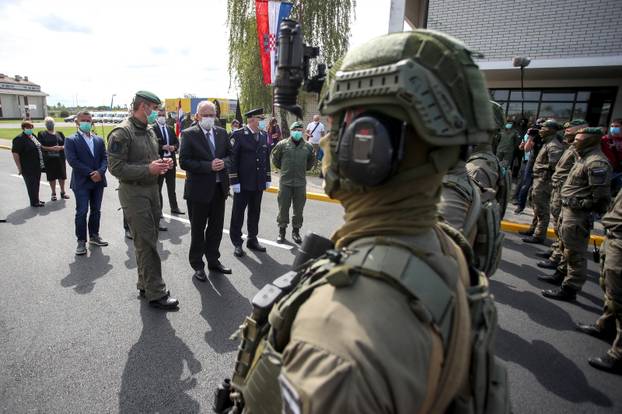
(86, 153)
(204, 155)
(168, 144)
(249, 174)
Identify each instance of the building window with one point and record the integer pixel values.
(594, 105)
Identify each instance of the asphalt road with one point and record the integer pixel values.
(75, 337)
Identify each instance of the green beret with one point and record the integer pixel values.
(576, 122)
(151, 97)
(551, 123)
(590, 131)
(296, 124)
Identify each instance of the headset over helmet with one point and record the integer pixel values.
(424, 80)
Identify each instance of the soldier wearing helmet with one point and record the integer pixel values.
(381, 322)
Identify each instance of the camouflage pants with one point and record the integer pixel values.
(575, 234)
(556, 212)
(141, 208)
(611, 283)
(541, 198)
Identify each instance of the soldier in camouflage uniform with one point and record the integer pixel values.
(133, 157)
(555, 255)
(322, 348)
(586, 191)
(543, 169)
(611, 282)
(508, 145)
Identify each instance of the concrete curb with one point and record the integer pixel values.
(507, 226)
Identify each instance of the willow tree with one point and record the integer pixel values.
(325, 24)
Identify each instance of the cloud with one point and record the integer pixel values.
(58, 24)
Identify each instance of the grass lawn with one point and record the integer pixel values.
(101, 130)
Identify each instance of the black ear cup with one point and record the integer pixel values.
(366, 152)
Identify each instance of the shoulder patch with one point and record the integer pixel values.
(292, 403)
(114, 147)
(598, 175)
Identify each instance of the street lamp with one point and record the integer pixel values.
(522, 62)
(112, 100)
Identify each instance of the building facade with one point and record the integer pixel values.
(575, 47)
(21, 99)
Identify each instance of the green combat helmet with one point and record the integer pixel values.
(426, 79)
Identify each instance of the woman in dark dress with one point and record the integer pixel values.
(53, 145)
(274, 133)
(28, 157)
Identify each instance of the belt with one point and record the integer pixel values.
(133, 182)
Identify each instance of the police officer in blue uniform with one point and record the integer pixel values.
(249, 175)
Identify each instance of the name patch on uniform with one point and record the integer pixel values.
(290, 397)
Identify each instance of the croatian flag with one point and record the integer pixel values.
(180, 114)
(270, 13)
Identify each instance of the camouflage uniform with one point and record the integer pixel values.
(543, 169)
(585, 191)
(508, 145)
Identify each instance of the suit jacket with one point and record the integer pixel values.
(162, 140)
(195, 157)
(250, 161)
(83, 162)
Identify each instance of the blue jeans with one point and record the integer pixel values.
(85, 199)
(525, 186)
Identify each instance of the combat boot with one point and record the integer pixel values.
(281, 238)
(528, 232)
(564, 293)
(597, 332)
(296, 236)
(607, 363)
(533, 240)
(545, 255)
(556, 278)
(547, 264)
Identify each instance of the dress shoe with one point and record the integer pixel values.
(526, 232)
(165, 302)
(255, 246)
(238, 251)
(564, 293)
(547, 264)
(97, 241)
(81, 248)
(545, 255)
(38, 204)
(533, 240)
(128, 234)
(200, 275)
(177, 211)
(219, 267)
(296, 236)
(281, 238)
(518, 210)
(593, 330)
(556, 278)
(607, 363)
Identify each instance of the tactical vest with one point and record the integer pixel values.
(265, 334)
(504, 182)
(482, 225)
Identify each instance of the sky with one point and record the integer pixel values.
(84, 51)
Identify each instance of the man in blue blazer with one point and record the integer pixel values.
(86, 153)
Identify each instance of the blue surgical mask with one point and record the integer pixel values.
(508, 125)
(614, 130)
(296, 135)
(86, 127)
(28, 132)
(262, 124)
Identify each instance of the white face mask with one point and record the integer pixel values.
(206, 123)
(161, 120)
